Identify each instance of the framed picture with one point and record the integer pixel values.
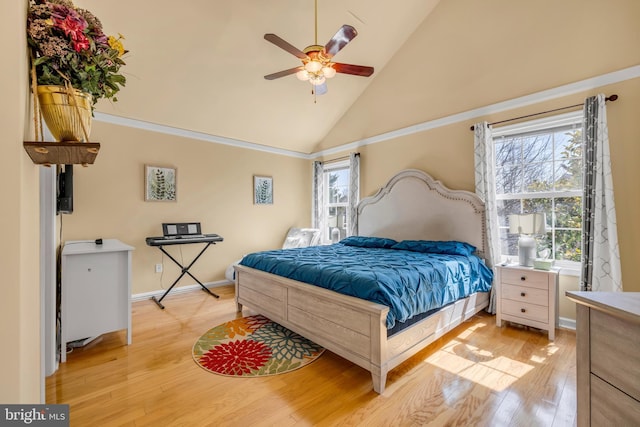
(262, 190)
(159, 184)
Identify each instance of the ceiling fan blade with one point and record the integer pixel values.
(345, 34)
(356, 70)
(283, 73)
(282, 44)
(321, 89)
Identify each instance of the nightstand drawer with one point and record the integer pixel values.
(525, 294)
(529, 278)
(525, 310)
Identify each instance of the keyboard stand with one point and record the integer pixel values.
(185, 270)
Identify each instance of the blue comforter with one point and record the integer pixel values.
(402, 277)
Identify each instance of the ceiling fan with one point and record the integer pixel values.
(316, 60)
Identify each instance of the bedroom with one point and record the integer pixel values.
(483, 67)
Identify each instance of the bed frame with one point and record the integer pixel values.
(411, 206)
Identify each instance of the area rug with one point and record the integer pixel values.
(253, 346)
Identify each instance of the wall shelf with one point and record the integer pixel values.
(62, 153)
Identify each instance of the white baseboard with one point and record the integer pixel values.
(567, 323)
(177, 290)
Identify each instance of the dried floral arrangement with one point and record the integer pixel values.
(68, 47)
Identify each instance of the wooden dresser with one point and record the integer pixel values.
(608, 358)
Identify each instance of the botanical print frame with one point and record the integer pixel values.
(262, 190)
(160, 184)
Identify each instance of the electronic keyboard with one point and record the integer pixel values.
(183, 239)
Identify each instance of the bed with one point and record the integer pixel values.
(411, 206)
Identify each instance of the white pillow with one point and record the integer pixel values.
(300, 237)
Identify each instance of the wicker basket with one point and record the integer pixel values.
(63, 118)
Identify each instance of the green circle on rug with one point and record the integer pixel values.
(253, 346)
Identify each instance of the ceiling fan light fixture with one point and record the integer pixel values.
(303, 75)
(313, 66)
(328, 71)
(317, 80)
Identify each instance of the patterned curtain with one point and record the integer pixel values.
(354, 191)
(486, 189)
(318, 220)
(600, 252)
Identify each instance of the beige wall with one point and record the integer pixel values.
(19, 291)
(471, 54)
(214, 187)
(468, 54)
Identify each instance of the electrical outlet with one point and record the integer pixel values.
(158, 268)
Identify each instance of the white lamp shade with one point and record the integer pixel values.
(313, 66)
(303, 75)
(534, 223)
(328, 72)
(316, 81)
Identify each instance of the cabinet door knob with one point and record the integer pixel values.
(523, 278)
(523, 310)
(522, 294)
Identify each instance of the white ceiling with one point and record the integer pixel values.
(198, 65)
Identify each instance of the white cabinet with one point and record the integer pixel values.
(95, 291)
(527, 296)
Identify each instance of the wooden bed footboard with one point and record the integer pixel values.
(350, 327)
(347, 326)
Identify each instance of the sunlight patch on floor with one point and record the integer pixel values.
(478, 365)
(470, 330)
(548, 351)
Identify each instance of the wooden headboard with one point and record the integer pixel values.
(412, 205)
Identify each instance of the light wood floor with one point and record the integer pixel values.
(478, 375)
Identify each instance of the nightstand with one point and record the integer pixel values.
(527, 296)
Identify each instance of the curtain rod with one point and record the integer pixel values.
(609, 98)
(337, 159)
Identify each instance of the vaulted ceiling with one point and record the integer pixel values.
(198, 65)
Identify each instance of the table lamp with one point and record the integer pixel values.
(526, 225)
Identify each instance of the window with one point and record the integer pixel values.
(539, 169)
(336, 192)
(336, 201)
